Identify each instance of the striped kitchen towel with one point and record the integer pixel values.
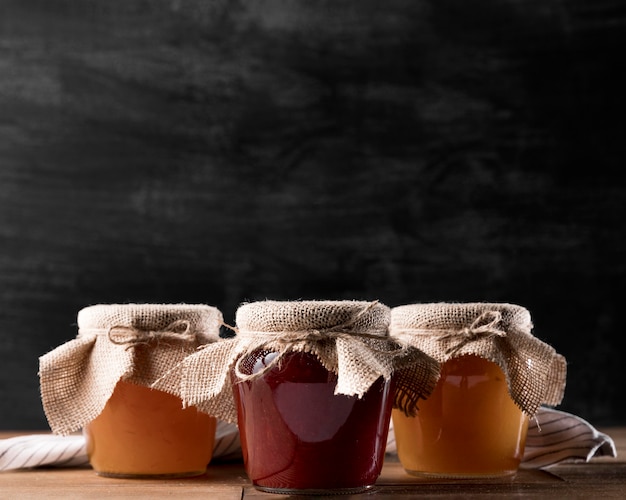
(35, 450)
(39, 450)
(555, 437)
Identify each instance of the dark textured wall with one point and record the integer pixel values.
(406, 151)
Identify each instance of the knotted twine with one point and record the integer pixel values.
(136, 343)
(349, 338)
(501, 333)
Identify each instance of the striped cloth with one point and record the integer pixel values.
(24, 452)
(553, 437)
(39, 450)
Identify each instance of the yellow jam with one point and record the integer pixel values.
(144, 432)
(468, 427)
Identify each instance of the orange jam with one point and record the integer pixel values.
(468, 427)
(143, 432)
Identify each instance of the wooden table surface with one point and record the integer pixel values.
(603, 478)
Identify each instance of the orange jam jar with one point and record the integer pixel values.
(469, 425)
(102, 382)
(494, 376)
(142, 432)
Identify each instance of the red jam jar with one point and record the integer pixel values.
(102, 382)
(299, 435)
(494, 376)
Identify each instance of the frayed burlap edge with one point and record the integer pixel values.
(349, 338)
(137, 343)
(498, 332)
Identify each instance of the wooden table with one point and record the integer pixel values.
(602, 478)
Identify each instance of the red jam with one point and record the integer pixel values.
(296, 434)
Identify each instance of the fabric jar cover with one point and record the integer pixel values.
(137, 343)
(498, 332)
(349, 338)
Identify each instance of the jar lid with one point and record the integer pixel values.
(441, 316)
(497, 332)
(137, 343)
(297, 316)
(201, 319)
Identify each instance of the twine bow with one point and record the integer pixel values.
(484, 326)
(131, 336)
(288, 340)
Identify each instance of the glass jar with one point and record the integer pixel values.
(103, 382)
(494, 376)
(299, 437)
(142, 432)
(469, 426)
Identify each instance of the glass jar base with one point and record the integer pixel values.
(130, 475)
(462, 475)
(314, 491)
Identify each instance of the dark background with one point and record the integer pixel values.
(408, 151)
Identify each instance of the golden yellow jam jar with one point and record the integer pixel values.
(494, 376)
(102, 382)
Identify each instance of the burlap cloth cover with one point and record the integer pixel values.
(137, 343)
(350, 339)
(501, 333)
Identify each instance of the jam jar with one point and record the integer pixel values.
(298, 436)
(469, 425)
(313, 416)
(101, 381)
(143, 432)
(494, 376)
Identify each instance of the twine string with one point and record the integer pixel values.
(485, 326)
(287, 341)
(130, 336)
